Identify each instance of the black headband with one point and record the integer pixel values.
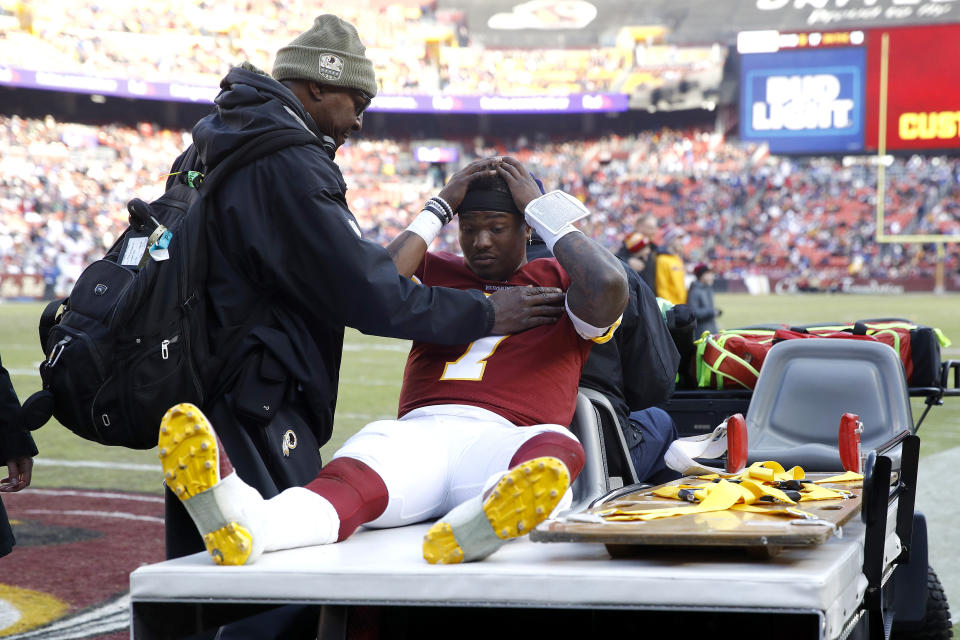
(488, 200)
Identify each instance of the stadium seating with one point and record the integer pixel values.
(414, 49)
(64, 188)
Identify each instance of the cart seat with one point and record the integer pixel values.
(805, 386)
(607, 462)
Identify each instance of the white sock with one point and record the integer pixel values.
(298, 517)
(230, 500)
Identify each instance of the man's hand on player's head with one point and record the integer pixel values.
(456, 188)
(522, 185)
(520, 308)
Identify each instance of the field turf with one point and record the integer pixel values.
(372, 369)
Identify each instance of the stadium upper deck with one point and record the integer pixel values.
(611, 54)
(416, 50)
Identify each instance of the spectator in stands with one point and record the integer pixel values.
(700, 299)
(636, 252)
(16, 453)
(671, 274)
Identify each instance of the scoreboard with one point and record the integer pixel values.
(923, 88)
(825, 92)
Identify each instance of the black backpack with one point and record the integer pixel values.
(131, 340)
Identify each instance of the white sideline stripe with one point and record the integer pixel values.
(364, 382)
(109, 618)
(366, 416)
(120, 515)
(100, 495)
(97, 464)
(402, 346)
(24, 372)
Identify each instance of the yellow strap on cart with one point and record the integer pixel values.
(719, 497)
(721, 494)
(849, 476)
(816, 492)
(767, 471)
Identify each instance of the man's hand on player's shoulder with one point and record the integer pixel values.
(521, 308)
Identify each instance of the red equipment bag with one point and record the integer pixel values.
(732, 359)
(918, 345)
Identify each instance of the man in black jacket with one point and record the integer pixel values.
(16, 452)
(286, 254)
(635, 371)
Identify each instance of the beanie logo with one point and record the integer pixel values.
(331, 66)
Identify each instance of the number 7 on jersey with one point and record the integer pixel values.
(471, 364)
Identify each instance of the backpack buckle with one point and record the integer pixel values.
(57, 351)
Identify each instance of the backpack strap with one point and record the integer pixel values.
(258, 147)
(48, 319)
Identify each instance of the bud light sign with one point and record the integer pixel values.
(804, 101)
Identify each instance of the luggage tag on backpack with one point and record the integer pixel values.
(159, 250)
(147, 238)
(134, 251)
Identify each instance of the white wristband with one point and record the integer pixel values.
(552, 215)
(551, 239)
(426, 225)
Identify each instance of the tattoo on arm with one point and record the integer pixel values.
(407, 251)
(598, 290)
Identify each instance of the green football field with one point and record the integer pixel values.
(372, 367)
(370, 385)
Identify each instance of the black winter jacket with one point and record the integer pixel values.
(283, 246)
(637, 368)
(14, 443)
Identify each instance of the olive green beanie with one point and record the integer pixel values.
(330, 52)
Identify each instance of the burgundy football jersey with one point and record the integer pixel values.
(528, 378)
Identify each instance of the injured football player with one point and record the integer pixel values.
(481, 444)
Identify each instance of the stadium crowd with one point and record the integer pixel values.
(414, 48)
(64, 188)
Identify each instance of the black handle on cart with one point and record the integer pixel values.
(935, 395)
(945, 368)
(878, 494)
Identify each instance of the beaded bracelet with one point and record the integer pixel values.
(436, 210)
(446, 206)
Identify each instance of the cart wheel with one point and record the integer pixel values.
(936, 620)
